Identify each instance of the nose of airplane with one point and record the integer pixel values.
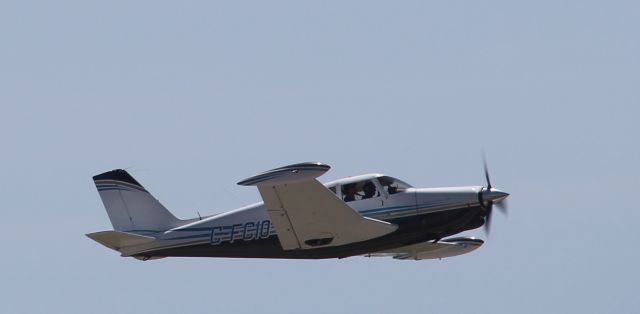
(494, 195)
(488, 197)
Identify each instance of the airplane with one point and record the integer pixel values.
(368, 215)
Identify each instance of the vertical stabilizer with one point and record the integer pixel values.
(129, 206)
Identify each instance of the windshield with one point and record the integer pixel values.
(393, 185)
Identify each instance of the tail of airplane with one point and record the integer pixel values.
(130, 207)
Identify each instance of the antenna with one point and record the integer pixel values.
(199, 215)
(231, 193)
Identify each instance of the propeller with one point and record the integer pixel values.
(486, 173)
(503, 206)
(493, 197)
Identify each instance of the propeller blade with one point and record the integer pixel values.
(503, 206)
(487, 222)
(486, 173)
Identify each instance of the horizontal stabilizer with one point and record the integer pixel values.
(117, 240)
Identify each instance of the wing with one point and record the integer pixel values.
(429, 250)
(306, 214)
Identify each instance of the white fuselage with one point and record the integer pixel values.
(252, 222)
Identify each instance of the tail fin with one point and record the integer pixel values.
(129, 206)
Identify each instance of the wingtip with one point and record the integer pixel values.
(311, 169)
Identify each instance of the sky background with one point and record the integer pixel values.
(193, 96)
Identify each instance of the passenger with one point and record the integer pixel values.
(369, 190)
(350, 192)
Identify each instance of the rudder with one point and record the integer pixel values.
(130, 206)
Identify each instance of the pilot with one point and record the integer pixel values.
(386, 182)
(369, 190)
(350, 192)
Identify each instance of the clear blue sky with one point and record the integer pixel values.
(194, 96)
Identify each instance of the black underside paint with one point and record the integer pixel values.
(411, 230)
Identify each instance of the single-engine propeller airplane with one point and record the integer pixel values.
(301, 218)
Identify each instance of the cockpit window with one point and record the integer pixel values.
(393, 185)
(359, 191)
